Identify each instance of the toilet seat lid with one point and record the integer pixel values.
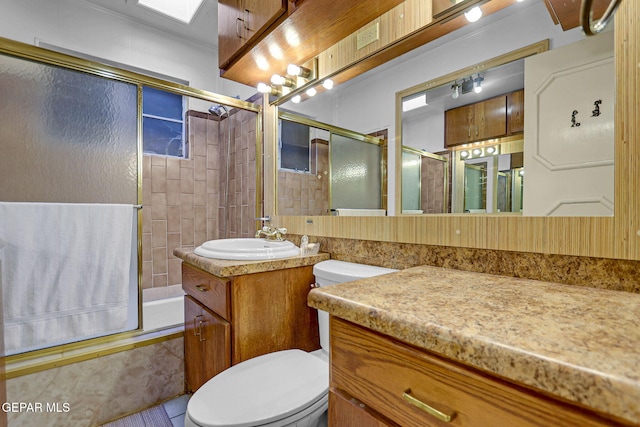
(264, 389)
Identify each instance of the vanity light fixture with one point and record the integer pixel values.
(268, 89)
(296, 70)
(467, 85)
(473, 14)
(477, 84)
(456, 90)
(279, 80)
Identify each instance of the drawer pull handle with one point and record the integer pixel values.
(428, 409)
(196, 330)
(202, 288)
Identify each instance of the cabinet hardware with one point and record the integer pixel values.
(200, 334)
(196, 332)
(239, 20)
(428, 409)
(246, 19)
(202, 288)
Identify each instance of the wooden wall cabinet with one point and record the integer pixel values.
(381, 372)
(316, 25)
(567, 12)
(515, 112)
(476, 122)
(242, 21)
(492, 118)
(229, 320)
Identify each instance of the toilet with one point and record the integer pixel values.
(284, 388)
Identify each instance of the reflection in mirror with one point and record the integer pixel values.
(477, 115)
(326, 170)
(426, 182)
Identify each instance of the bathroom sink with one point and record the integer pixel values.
(248, 249)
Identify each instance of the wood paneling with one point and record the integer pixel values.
(605, 237)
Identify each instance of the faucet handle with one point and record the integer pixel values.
(266, 219)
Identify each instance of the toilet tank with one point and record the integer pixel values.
(332, 272)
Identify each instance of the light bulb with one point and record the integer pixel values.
(328, 84)
(311, 91)
(264, 88)
(473, 14)
(456, 91)
(477, 84)
(296, 99)
(464, 154)
(293, 70)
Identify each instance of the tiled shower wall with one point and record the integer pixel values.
(432, 187)
(183, 199)
(304, 193)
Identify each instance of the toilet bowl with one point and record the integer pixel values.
(287, 388)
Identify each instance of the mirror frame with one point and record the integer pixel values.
(532, 49)
(615, 237)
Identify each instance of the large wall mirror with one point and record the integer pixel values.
(489, 54)
(368, 103)
(525, 134)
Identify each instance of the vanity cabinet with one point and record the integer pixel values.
(240, 22)
(393, 383)
(206, 341)
(232, 319)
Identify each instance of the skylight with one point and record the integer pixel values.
(182, 10)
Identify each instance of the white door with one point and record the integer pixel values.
(568, 132)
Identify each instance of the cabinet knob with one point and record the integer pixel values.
(427, 408)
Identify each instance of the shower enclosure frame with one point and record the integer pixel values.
(33, 53)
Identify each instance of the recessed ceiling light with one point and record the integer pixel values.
(182, 10)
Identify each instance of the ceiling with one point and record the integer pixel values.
(202, 29)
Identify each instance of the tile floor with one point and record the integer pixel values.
(176, 409)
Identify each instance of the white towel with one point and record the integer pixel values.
(360, 212)
(66, 271)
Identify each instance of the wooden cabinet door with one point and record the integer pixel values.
(231, 34)
(242, 21)
(490, 119)
(458, 122)
(259, 14)
(515, 112)
(215, 339)
(193, 367)
(207, 344)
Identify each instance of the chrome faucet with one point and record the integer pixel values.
(270, 232)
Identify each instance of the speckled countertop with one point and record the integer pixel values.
(227, 268)
(581, 344)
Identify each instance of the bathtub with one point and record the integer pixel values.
(163, 313)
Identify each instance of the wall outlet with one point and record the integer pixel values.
(368, 35)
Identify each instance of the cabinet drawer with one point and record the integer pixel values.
(385, 375)
(211, 291)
